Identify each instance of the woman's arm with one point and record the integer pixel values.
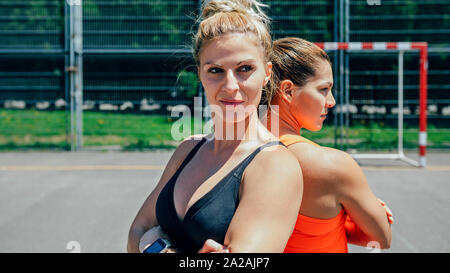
(355, 235)
(270, 197)
(146, 216)
(364, 209)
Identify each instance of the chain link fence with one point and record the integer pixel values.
(137, 63)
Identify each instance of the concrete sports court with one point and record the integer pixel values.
(85, 201)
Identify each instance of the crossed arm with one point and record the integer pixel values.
(368, 220)
(340, 175)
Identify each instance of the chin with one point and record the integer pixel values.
(236, 118)
(314, 128)
(240, 113)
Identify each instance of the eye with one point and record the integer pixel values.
(245, 68)
(324, 90)
(215, 70)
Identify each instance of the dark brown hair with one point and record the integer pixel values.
(293, 59)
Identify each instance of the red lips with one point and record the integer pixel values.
(231, 102)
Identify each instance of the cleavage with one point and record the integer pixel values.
(194, 182)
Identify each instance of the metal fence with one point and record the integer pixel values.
(420, 20)
(136, 25)
(368, 82)
(136, 56)
(394, 20)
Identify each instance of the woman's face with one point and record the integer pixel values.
(310, 103)
(233, 71)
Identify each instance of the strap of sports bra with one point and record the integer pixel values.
(240, 169)
(188, 158)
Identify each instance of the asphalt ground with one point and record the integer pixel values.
(85, 201)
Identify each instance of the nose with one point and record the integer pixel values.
(331, 102)
(231, 83)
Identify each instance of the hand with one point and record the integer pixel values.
(171, 250)
(388, 212)
(211, 246)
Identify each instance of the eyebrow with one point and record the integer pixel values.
(247, 60)
(208, 63)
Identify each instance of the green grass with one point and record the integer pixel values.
(47, 129)
(376, 136)
(130, 131)
(33, 129)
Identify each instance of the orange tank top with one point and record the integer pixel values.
(312, 235)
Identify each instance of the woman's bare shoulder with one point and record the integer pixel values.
(186, 146)
(328, 163)
(275, 161)
(180, 153)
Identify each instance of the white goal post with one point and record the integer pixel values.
(399, 47)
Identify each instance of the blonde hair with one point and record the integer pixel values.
(221, 17)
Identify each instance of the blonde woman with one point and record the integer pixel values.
(227, 187)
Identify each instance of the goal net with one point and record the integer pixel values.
(398, 48)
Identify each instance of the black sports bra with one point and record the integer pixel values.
(210, 216)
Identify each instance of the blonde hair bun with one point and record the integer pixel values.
(220, 17)
(248, 7)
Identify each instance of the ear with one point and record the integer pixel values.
(286, 89)
(268, 72)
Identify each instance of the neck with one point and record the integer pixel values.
(229, 135)
(280, 113)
